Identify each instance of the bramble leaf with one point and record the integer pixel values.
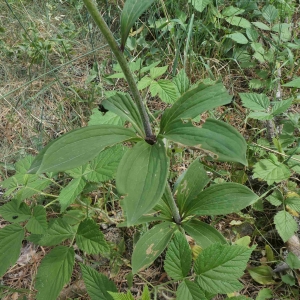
(38, 222)
(285, 225)
(189, 290)
(15, 212)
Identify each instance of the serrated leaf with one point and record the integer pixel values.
(293, 261)
(122, 105)
(219, 266)
(151, 245)
(293, 202)
(203, 234)
(158, 71)
(141, 176)
(11, 237)
(275, 198)
(182, 82)
(15, 212)
(23, 165)
(261, 25)
(294, 83)
(97, 284)
(232, 11)
(260, 115)
(38, 222)
(189, 290)
(121, 296)
(144, 82)
(238, 38)
(264, 294)
(69, 193)
(90, 239)
(54, 272)
(200, 5)
(78, 147)
(224, 198)
(262, 274)
(191, 184)
(166, 90)
(271, 171)
(97, 118)
(178, 257)
(255, 101)
(281, 106)
(285, 225)
(132, 10)
(224, 141)
(238, 21)
(146, 294)
(270, 13)
(194, 102)
(104, 166)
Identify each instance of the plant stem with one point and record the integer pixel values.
(172, 205)
(93, 10)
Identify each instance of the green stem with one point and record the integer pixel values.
(92, 8)
(172, 205)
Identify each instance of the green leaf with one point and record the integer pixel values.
(69, 193)
(238, 38)
(38, 222)
(97, 118)
(78, 147)
(97, 284)
(144, 82)
(271, 171)
(132, 10)
(255, 101)
(215, 136)
(151, 245)
(293, 202)
(262, 274)
(104, 166)
(189, 290)
(203, 234)
(141, 176)
(182, 82)
(23, 165)
(281, 106)
(294, 83)
(11, 237)
(285, 225)
(222, 199)
(238, 21)
(232, 11)
(270, 13)
(54, 272)
(90, 239)
(261, 25)
(293, 261)
(166, 90)
(260, 115)
(178, 257)
(275, 198)
(264, 294)
(15, 212)
(200, 5)
(219, 266)
(157, 72)
(194, 102)
(191, 184)
(146, 294)
(121, 296)
(123, 106)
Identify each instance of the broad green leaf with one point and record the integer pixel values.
(264, 294)
(258, 47)
(38, 222)
(224, 141)
(189, 290)
(200, 4)
(275, 198)
(151, 245)
(123, 106)
(288, 279)
(294, 83)
(132, 10)
(104, 166)
(293, 261)
(219, 266)
(78, 147)
(141, 176)
(54, 272)
(238, 21)
(262, 274)
(261, 25)
(194, 102)
(144, 82)
(203, 234)
(58, 231)
(281, 106)
(285, 225)
(232, 11)
(121, 296)
(166, 90)
(97, 118)
(90, 239)
(97, 284)
(182, 82)
(156, 72)
(222, 199)
(238, 38)
(271, 170)
(11, 237)
(146, 294)
(178, 259)
(255, 101)
(293, 202)
(260, 115)
(192, 183)
(15, 212)
(270, 13)
(23, 165)
(69, 193)
(78, 172)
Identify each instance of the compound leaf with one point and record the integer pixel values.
(166, 90)
(294, 83)
(98, 118)
(11, 237)
(15, 212)
(200, 5)
(54, 272)
(254, 101)
(38, 222)
(189, 290)
(285, 225)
